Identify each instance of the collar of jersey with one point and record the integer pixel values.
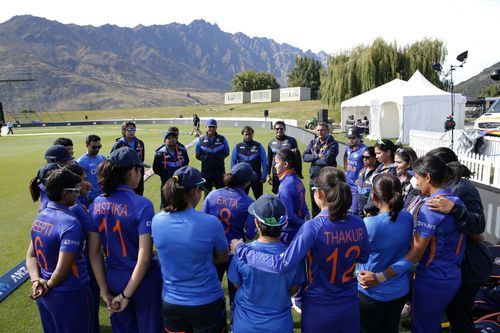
(124, 187)
(285, 173)
(57, 206)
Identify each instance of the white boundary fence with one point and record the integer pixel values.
(486, 169)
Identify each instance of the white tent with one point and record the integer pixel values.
(398, 106)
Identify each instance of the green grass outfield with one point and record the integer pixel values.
(21, 156)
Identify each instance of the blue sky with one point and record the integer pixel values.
(331, 26)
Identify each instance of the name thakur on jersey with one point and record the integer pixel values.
(343, 236)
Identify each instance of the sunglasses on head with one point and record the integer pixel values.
(72, 189)
(271, 221)
(380, 142)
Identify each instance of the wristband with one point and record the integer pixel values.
(402, 266)
(380, 277)
(123, 295)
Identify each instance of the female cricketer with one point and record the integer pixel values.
(333, 243)
(57, 268)
(437, 248)
(121, 228)
(230, 205)
(390, 236)
(189, 243)
(291, 192)
(353, 162)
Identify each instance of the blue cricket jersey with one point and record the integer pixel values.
(253, 153)
(90, 165)
(262, 302)
(354, 162)
(120, 219)
(389, 242)
(56, 229)
(186, 242)
(439, 267)
(332, 249)
(292, 193)
(230, 206)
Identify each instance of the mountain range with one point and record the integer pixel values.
(85, 67)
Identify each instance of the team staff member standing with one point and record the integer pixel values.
(129, 139)
(253, 153)
(189, 243)
(333, 242)
(57, 268)
(320, 152)
(168, 158)
(353, 162)
(211, 149)
(90, 161)
(282, 141)
(121, 228)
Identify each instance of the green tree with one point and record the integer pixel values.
(251, 80)
(306, 73)
(352, 72)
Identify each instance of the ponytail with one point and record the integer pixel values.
(34, 189)
(458, 171)
(176, 197)
(337, 192)
(387, 188)
(111, 176)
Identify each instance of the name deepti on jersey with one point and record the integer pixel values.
(228, 202)
(112, 208)
(343, 236)
(42, 227)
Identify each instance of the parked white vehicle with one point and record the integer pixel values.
(490, 121)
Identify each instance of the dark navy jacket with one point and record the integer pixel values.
(252, 153)
(274, 146)
(212, 153)
(321, 155)
(165, 163)
(136, 145)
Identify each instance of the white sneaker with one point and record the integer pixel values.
(297, 304)
(406, 310)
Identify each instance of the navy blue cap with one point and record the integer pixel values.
(189, 177)
(44, 171)
(243, 172)
(126, 157)
(269, 210)
(57, 153)
(212, 122)
(353, 132)
(170, 132)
